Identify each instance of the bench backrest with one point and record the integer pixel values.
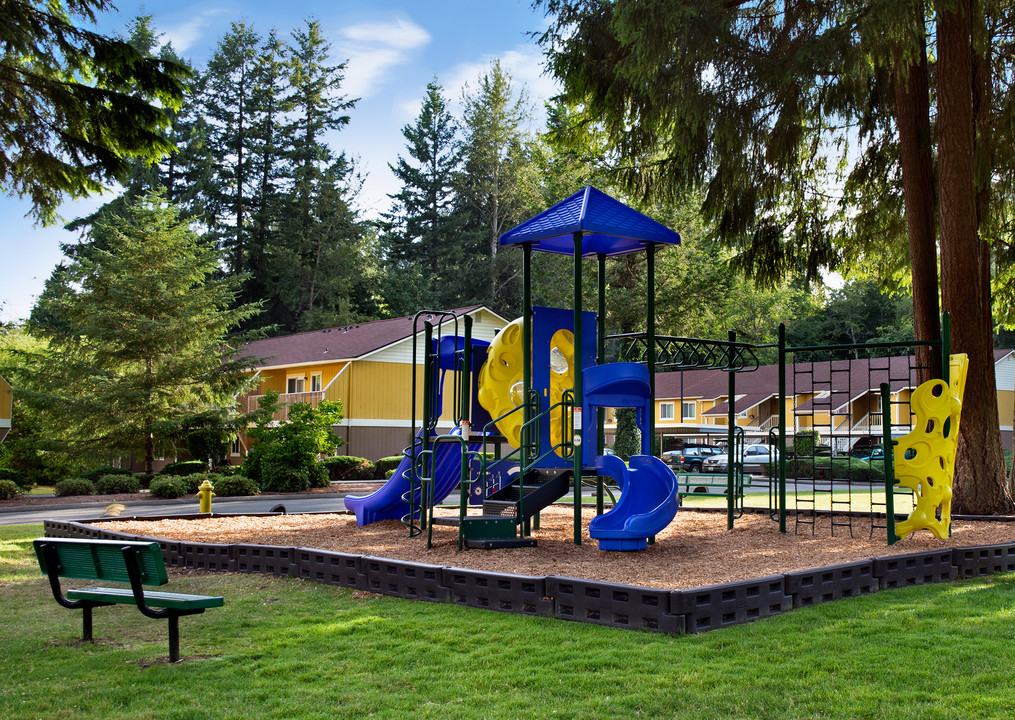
(102, 559)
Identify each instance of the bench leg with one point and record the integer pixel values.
(174, 638)
(86, 623)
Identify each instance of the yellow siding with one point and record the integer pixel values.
(1006, 406)
(6, 401)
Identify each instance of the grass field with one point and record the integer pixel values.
(285, 648)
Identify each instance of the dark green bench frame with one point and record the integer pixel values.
(136, 563)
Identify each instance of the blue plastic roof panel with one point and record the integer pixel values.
(608, 226)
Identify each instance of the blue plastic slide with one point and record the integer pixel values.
(386, 502)
(648, 502)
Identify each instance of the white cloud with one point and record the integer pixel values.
(524, 64)
(186, 35)
(373, 49)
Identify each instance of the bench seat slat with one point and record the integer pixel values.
(103, 559)
(155, 599)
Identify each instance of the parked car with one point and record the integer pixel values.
(756, 457)
(691, 457)
(869, 453)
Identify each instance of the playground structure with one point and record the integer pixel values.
(532, 398)
(539, 391)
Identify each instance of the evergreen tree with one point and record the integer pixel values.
(77, 105)
(144, 341)
(231, 85)
(422, 231)
(498, 184)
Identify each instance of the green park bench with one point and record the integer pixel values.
(136, 563)
(704, 483)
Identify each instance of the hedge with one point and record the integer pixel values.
(94, 474)
(74, 486)
(117, 484)
(167, 487)
(184, 468)
(348, 467)
(9, 490)
(386, 465)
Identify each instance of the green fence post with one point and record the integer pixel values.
(782, 427)
(889, 453)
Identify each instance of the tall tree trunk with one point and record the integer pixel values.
(912, 103)
(979, 469)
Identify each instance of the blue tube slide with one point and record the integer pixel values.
(648, 502)
(386, 502)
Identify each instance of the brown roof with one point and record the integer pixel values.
(345, 342)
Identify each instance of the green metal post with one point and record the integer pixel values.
(946, 348)
(527, 353)
(650, 262)
(889, 453)
(576, 414)
(600, 359)
(731, 419)
(782, 427)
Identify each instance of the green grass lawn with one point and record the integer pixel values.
(285, 648)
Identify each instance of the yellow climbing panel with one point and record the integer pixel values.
(925, 458)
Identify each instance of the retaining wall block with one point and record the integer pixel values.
(818, 585)
(206, 556)
(716, 606)
(980, 560)
(273, 559)
(333, 568)
(519, 594)
(55, 528)
(623, 606)
(915, 569)
(401, 578)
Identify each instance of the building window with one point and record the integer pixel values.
(666, 411)
(316, 382)
(234, 451)
(687, 410)
(295, 384)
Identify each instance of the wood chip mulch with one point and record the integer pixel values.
(694, 551)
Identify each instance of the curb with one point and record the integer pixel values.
(155, 501)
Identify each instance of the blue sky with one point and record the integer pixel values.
(393, 48)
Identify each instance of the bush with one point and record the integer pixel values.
(184, 468)
(385, 466)
(17, 477)
(347, 467)
(94, 474)
(116, 484)
(279, 477)
(839, 468)
(74, 486)
(9, 490)
(167, 487)
(234, 486)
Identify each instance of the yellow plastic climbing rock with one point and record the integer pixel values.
(501, 386)
(925, 458)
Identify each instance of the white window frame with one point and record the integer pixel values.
(666, 410)
(684, 414)
(300, 381)
(234, 448)
(316, 381)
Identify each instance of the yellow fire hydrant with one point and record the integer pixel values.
(205, 494)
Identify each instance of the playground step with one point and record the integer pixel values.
(496, 544)
(500, 508)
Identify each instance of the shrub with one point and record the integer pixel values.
(184, 468)
(234, 486)
(167, 487)
(279, 477)
(9, 490)
(94, 474)
(145, 480)
(116, 484)
(385, 465)
(348, 467)
(389, 473)
(17, 477)
(74, 486)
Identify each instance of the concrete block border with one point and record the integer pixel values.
(564, 598)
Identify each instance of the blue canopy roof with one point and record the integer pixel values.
(608, 226)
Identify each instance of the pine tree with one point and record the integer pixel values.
(143, 340)
(497, 184)
(422, 231)
(231, 113)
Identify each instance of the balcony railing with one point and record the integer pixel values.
(285, 401)
(871, 422)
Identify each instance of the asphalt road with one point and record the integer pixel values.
(293, 504)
